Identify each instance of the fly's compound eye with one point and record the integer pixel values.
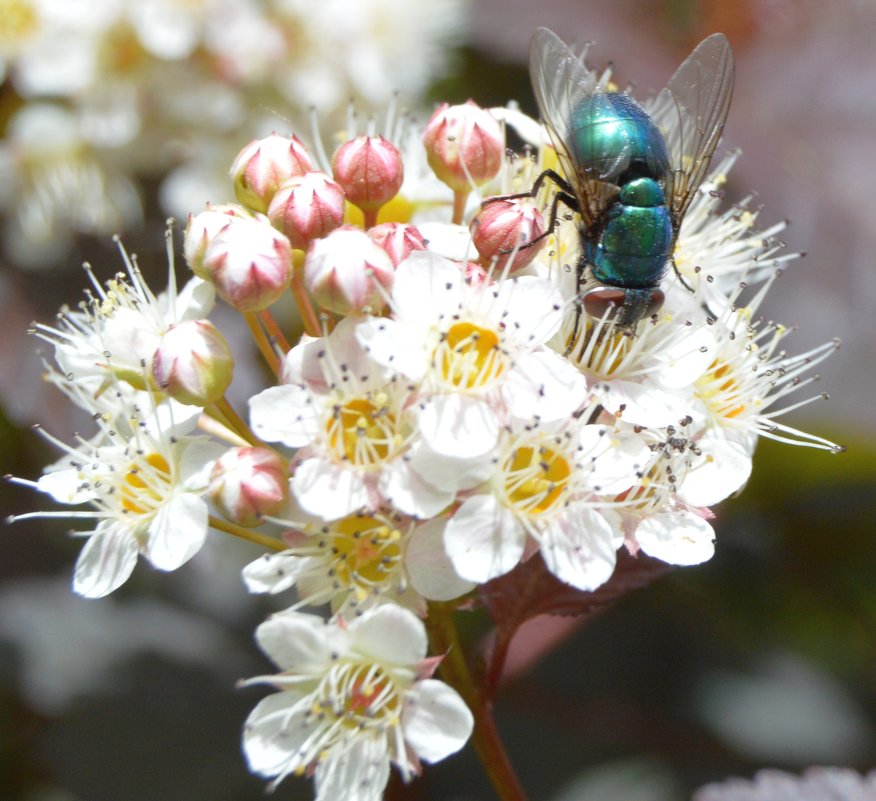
(655, 302)
(622, 305)
(603, 301)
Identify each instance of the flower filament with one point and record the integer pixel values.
(469, 356)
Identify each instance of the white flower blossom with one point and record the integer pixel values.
(352, 699)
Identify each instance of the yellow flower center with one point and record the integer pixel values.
(719, 388)
(469, 356)
(536, 478)
(362, 430)
(145, 486)
(366, 552)
(18, 20)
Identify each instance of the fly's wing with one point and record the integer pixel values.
(560, 81)
(690, 113)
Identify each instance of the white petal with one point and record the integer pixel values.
(645, 404)
(196, 462)
(426, 287)
(297, 641)
(65, 486)
(679, 538)
(328, 490)
(531, 309)
(436, 721)
(105, 562)
(389, 633)
(274, 731)
(450, 241)
(409, 493)
(723, 468)
(431, 571)
(683, 360)
(483, 539)
(448, 472)
(615, 457)
(194, 301)
(177, 531)
(545, 385)
(579, 548)
(354, 770)
(395, 345)
(272, 572)
(284, 414)
(458, 425)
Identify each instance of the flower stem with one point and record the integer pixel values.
(302, 299)
(274, 331)
(459, 199)
(226, 414)
(261, 339)
(454, 670)
(247, 534)
(370, 218)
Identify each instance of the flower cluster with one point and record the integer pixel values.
(449, 412)
(105, 93)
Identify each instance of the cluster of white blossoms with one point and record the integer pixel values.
(449, 413)
(105, 93)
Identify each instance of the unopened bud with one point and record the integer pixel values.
(248, 483)
(307, 207)
(370, 170)
(464, 145)
(193, 363)
(502, 228)
(347, 273)
(201, 229)
(397, 239)
(250, 263)
(264, 165)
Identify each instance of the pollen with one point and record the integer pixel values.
(362, 430)
(145, 484)
(536, 479)
(366, 551)
(469, 356)
(720, 389)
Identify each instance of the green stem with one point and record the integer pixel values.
(271, 543)
(454, 670)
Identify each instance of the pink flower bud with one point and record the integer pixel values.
(307, 207)
(398, 240)
(193, 363)
(503, 225)
(201, 229)
(345, 272)
(250, 263)
(263, 165)
(370, 171)
(248, 483)
(464, 145)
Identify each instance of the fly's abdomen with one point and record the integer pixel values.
(635, 241)
(615, 139)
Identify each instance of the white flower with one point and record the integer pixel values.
(748, 374)
(476, 350)
(544, 494)
(146, 484)
(109, 343)
(358, 561)
(356, 423)
(352, 699)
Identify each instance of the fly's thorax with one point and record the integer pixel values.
(613, 137)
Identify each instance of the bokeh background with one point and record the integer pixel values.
(765, 656)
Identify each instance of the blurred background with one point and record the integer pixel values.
(115, 114)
